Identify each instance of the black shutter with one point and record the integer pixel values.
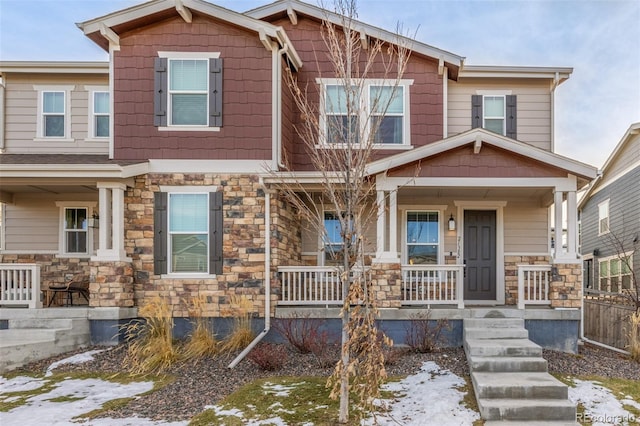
(511, 117)
(476, 111)
(160, 237)
(216, 223)
(160, 92)
(215, 92)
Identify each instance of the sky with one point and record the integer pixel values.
(599, 39)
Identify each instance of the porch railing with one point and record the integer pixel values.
(310, 285)
(533, 285)
(432, 285)
(20, 284)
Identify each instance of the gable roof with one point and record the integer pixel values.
(106, 29)
(478, 137)
(285, 7)
(629, 136)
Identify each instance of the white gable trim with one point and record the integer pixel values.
(499, 141)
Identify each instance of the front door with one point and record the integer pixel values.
(480, 254)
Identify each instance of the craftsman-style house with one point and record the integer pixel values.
(147, 175)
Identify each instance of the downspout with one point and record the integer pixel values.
(2, 115)
(278, 71)
(267, 278)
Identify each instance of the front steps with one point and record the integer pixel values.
(33, 339)
(510, 377)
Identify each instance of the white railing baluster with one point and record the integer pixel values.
(20, 284)
(432, 284)
(533, 285)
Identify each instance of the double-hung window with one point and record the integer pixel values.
(188, 231)
(603, 217)
(53, 120)
(615, 273)
(188, 91)
(333, 241)
(423, 237)
(75, 236)
(99, 112)
(372, 110)
(495, 112)
(387, 114)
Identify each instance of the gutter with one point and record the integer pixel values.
(267, 279)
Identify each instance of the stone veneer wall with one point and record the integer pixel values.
(511, 274)
(386, 279)
(565, 289)
(243, 245)
(111, 284)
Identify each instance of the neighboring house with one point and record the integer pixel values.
(148, 173)
(610, 220)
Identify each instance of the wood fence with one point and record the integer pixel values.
(606, 321)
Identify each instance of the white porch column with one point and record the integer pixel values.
(112, 219)
(104, 228)
(557, 233)
(381, 224)
(393, 223)
(572, 225)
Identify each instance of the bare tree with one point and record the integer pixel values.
(625, 244)
(339, 146)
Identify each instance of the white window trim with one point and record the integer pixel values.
(91, 136)
(67, 89)
(608, 259)
(365, 108)
(186, 55)
(171, 189)
(504, 112)
(600, 219)
(405, 209)
(90, 206)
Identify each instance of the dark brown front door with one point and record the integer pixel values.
(480, 254)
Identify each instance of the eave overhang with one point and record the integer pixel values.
(54, 67)
(556, 74)
(79, 171)
(106, 29)
(289, 7)
(477, 137)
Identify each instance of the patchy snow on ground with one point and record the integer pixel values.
(601, 406)
(429, 397)
(75, 359)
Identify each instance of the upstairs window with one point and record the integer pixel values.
(188, 91)
(603, 217)
(496, 113)
(53, 120)
(423, 237)
(99, 112)
(375, 105)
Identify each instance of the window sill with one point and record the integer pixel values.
(52, 139)
(73, 255)
(189, 129)
(395, 147)
(97, 139)
(185, 276)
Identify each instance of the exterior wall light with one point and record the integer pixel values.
(452, 224)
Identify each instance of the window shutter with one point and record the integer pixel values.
(215, 92)
(511, 117)
(476, 111)
(160, 237)
(216, 224)
(160, 92)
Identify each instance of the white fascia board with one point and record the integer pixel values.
(54, 67)
(155, 6)
(633, 130)
(483, 71)
(469, 137)
(385, 183)
(384, 35)
(107, 171)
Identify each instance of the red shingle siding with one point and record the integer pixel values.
(490, 162)
(425, 94)
(246, 131)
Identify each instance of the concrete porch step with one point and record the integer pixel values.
(493, 323)
(507, 364)
(501, 347)
(518, 385)
(527, 409)
(496, 333)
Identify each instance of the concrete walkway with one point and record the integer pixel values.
(510, 377)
